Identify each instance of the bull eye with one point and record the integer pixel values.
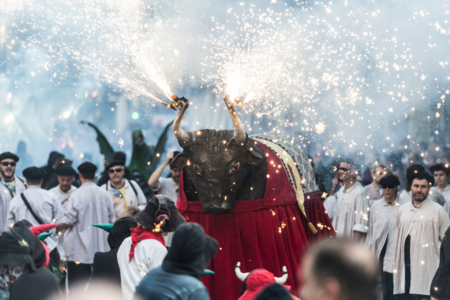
(234, 168)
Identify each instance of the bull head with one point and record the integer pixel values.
(243, 276)
(218, 162)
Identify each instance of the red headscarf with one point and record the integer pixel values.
(139, 234)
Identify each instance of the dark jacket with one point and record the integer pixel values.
(440, 285)
(53, 157)
(106, 266)
(179, 277)
(38, 285)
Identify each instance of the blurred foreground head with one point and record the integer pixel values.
(97, 290)
(339, 269)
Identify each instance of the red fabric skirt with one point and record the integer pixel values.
(317, 215)
(266, 238)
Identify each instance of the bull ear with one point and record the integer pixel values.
(254, 155)
(180, 161)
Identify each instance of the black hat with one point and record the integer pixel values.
(87, 168)
(422, 175)
(156, 207)
(34, 173)
(389, 181)
(440, 167)
(274, 291)
(190, 252)
(175, 153)
(6, 155)
(116, 163)
(37, 250)
(65, 170)
(119, 155)
(14, 251)
(120, 231)
(414, 169)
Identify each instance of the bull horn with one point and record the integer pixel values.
(283, 278)
(239, 132)
(180, 134)
(239, 274)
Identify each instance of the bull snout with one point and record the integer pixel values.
(218, 205)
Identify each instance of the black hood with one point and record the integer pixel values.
(53, 157)
(120, 231)
(190, 252)
(274, 291)
(37, 250)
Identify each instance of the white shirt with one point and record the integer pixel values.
(148, 255)
(382, 228)
(434, 196)
(131, 198)
(446, 194)
(330, 206)
(352, 209)
(167, 187)
(63, 198)
(426, 225)
(86, 206)
(5, 198)
(45, 206)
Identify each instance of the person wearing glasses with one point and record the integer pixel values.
(352, 206)
(10, 185)
(375, 190)
(126, 195)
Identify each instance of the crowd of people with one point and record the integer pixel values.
(61, 228)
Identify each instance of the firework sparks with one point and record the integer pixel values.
(320, 127)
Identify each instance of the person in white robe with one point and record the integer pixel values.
(38, 207)
(10, 185)
(352, 205)
(88, 205)
(406, 194)
(126, 195)
(145, 249)
(65, 175)
(382, 235)
(375, 190)
(441, 173)
(421, 225)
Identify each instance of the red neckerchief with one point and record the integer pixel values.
(139, 234)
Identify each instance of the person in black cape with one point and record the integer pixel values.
(106, 266)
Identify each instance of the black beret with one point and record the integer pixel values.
(115, 163)
(421, 176)
(440, 167)
(389, 181)
(65, 170)
(6, 155)
(34, 173)
(414, 169)
(87, 168)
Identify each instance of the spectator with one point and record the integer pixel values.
(350, 218)
(53, 162)
(375, 190)
(421, 226)
(126, 195)
(145, 248)
(406, 194)
(104, 176)
(339, 269)
(106, 266)
(382, 234)
(179, 276)
(166, 186)
(86, 206)
(441, 175)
